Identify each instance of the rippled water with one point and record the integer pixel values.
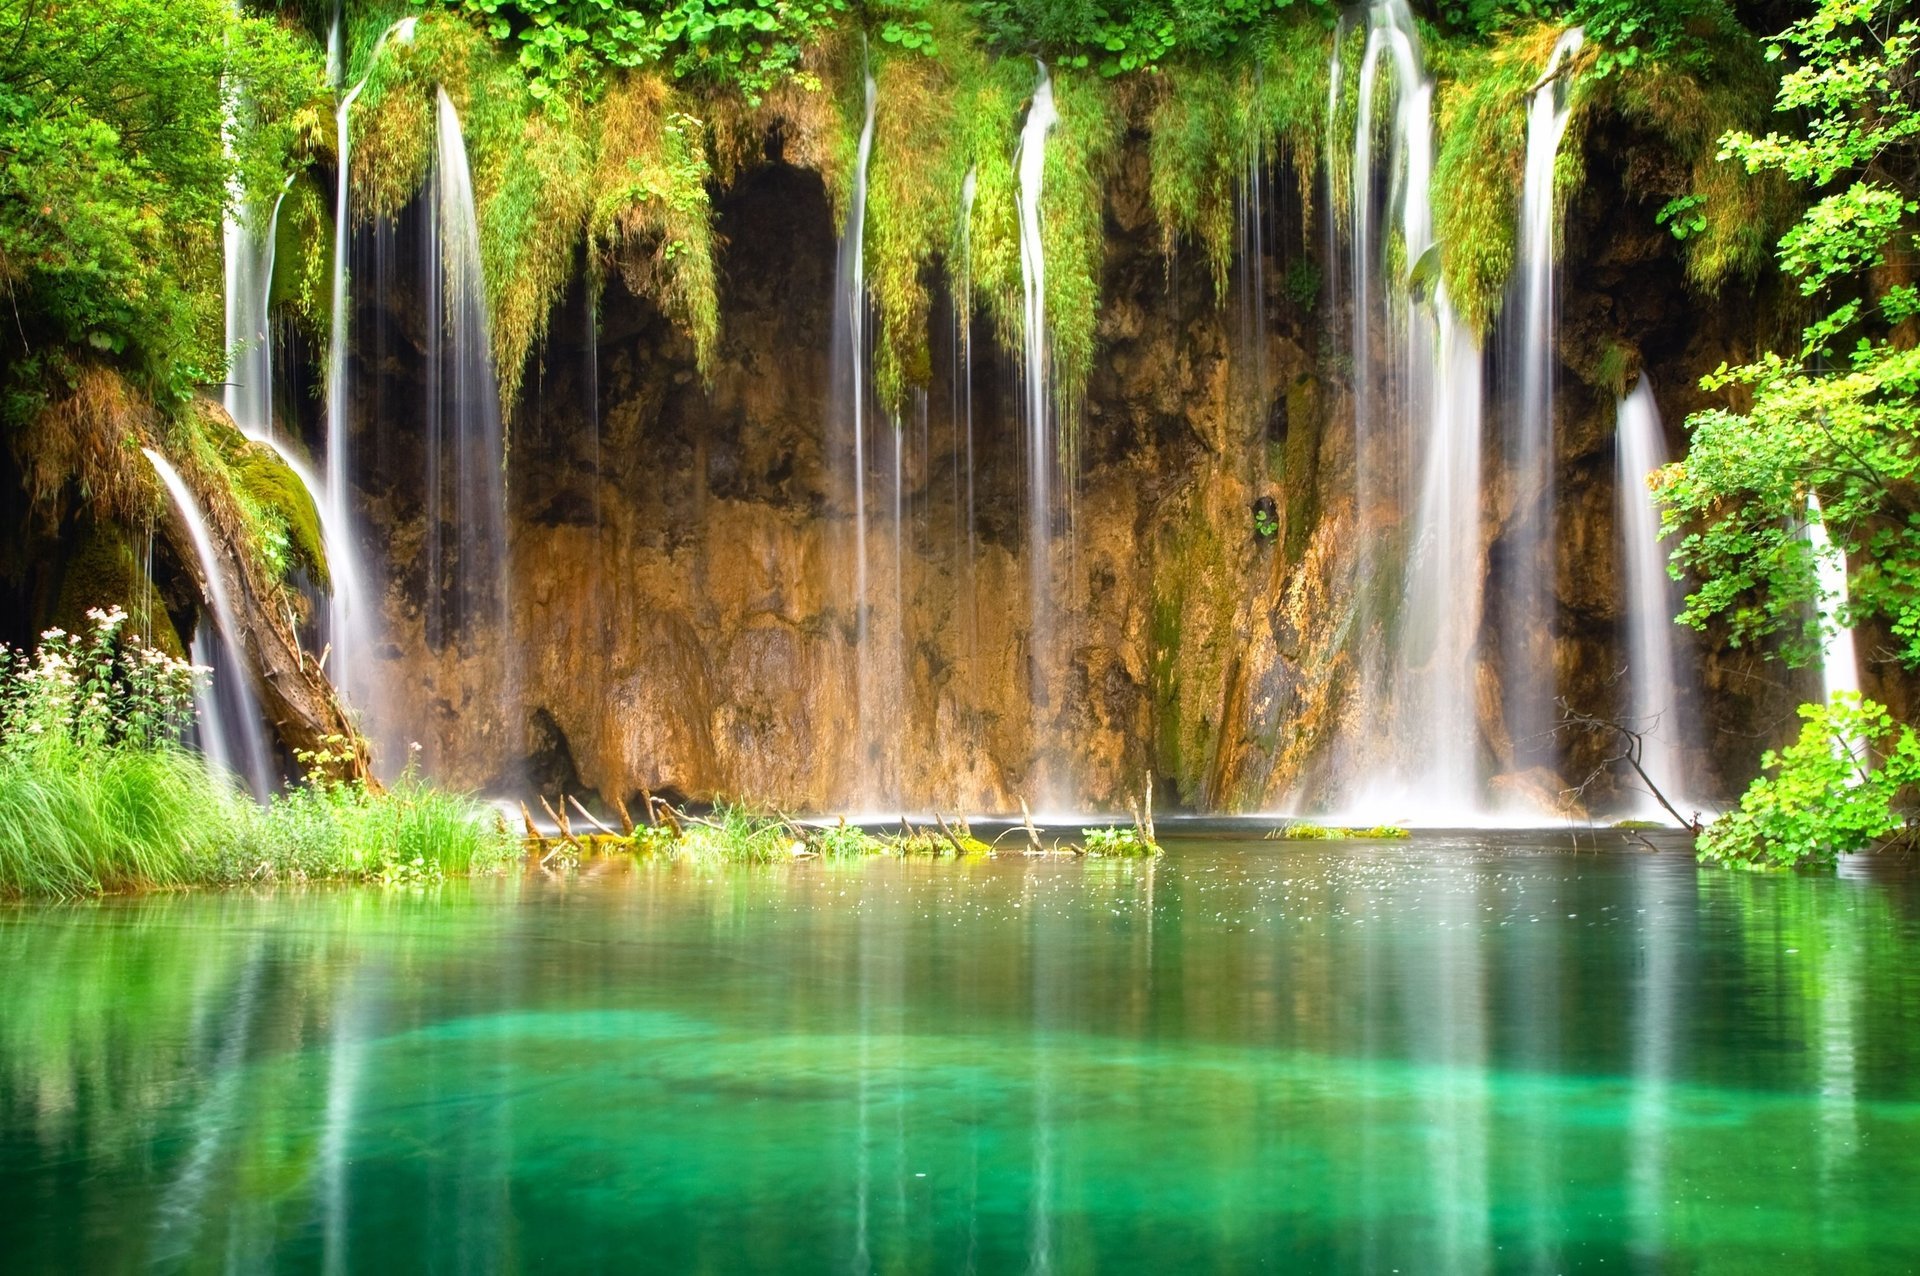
(1452, 1054)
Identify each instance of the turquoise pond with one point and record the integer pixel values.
(1459, 1053)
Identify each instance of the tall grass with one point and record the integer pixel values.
(119, 820)
(97, 795)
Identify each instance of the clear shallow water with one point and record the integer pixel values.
(1458, 1053)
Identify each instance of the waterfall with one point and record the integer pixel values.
(466, 535)
(1653, 682)
(250, 257)
(963, 404)
(851, 392)
(231, 722)
(1413, 753)
(1525, 573)
(349, 625)
(1839, 665)
(1042, 441)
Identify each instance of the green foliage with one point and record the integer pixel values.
(1117, 37)
(1326, 833)
(1626, 33)
(410, 834)
(114, 173)
(651, 216)
(571, 46)
(1117, 841)
(846, 841)
(1842, 787)
(1478, 170)
(1840, 416)
(96, 793)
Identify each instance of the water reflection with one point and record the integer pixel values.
(1446, 1056)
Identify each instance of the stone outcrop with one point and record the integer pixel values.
(682, 614)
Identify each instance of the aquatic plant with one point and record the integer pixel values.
(1329, 833)
(1118, 841)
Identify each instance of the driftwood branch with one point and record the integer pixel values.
(1630, 748)
(1033, 835)
(588, 816)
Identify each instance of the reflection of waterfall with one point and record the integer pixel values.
(350, 619)
(466, 538)
(215, 1118)
(345, 1059)
(1656, 1053)
(1524, 581)
(1653, 683)
(1043, 453)
(1417, 406)
(232, 726)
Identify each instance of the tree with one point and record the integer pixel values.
(115, 170)
(1838, 418)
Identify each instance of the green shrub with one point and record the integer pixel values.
(1841, 787)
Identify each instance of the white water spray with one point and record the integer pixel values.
(1653, 683)
(851, 393)
(1839, 663)
(350, 619)
(1042, 435)
(1415, 753)
(231, 722)
(1526, 595)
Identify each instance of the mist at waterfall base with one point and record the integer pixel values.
(1423, 403)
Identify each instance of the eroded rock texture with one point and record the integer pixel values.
(682, 604)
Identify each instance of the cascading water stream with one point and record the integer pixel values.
(1525, 576)
(466, 487)
(1653, 683)
(851, 393)
(233, 735)
(1043, 452)
(1839, 663)
(963, 403)
(350, 618)
(1414, 752)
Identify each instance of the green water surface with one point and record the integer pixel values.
(1453, 1054)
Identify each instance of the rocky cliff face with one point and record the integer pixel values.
(681, 600)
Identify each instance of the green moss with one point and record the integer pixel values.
(1195, 596)
(651, 217)
(1207, 123)
(1301, 463)
(102, 570)
(913, 203)
(280, 500)
(1744, 212)
(1479, 170)
(1073, 206)
(1324, 833)
(1200, 141)
(302, 285)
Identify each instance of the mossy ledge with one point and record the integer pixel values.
(627, 165)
